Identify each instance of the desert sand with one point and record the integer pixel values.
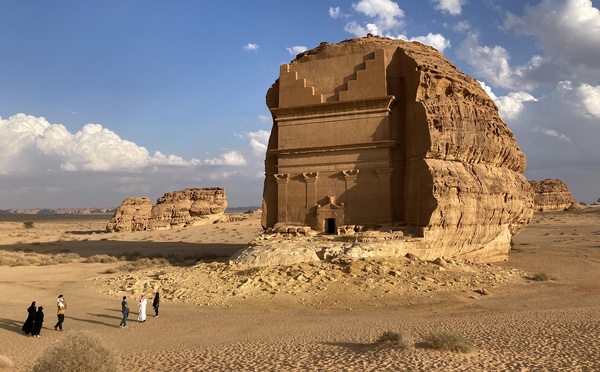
(309, 317)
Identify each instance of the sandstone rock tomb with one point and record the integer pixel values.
(387, 148)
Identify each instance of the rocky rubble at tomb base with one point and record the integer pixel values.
(339, 283)
(174, 209)
(552, 195)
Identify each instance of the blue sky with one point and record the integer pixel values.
(100, 101)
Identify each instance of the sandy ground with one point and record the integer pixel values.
(311, 318)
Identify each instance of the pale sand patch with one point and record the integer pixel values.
(522, 325)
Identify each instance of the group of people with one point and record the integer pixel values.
(35, 317)
(141, 309)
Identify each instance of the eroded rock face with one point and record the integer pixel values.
(552, 195)
(178, 208)
(383, 134)
(131, 215)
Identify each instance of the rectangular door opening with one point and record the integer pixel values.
(330, 227)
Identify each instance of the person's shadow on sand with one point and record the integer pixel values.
(92, 321)
(12, 325)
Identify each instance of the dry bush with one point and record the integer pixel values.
(142, 263)
(398, 339)
(542, 277)
(79, 352)
(449, 342)
(5, 362)
(100, 258)
(8, 258)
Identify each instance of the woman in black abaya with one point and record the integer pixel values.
(37, 324)
(28, 325)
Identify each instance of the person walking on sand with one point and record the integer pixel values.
(38, 322)
(61, 305)
(28, 325)
(142, 313)
(125, 311)
(156, 304)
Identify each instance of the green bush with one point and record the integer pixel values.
(449, 342)
(79, 352)
(28, 224)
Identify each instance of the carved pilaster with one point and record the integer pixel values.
(311, 188)
(350, 177)
(385, 200)
(282, 180)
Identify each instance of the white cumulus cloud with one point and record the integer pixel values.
(296, 50)
(493, 64)
(385, 15)
(568, 33)
(453, 7)
(258, 142)
(251, 46)
(334, 12)
(511, 105)
(43, 165)
(230, 158)
(437, 41)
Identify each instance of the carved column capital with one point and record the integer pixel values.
(350, 175)
(311, 176)
(384, 173)
(282, 177)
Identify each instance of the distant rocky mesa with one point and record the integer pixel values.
(552, 195)
(49, 211)
(174, 209)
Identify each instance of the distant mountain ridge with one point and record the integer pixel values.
(110, 210)
(47, 211)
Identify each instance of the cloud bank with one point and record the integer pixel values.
(95, 167)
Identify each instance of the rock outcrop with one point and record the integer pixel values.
(388, 135)
(552, 195)
(178, 208)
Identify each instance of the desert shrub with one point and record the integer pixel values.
(28, 224)
(144, 263)
(54, 259)
(449, 342)
(5, 362)
(100, 258)
(541, 277)
(79, 352)
(398, 339)
(127, 256)
(17, 258)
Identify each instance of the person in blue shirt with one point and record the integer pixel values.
(125, 311)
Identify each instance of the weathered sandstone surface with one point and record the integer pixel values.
(389, 148)
(179, 208)
(552, 195)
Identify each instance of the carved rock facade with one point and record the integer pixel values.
(178, 208)
(388, 135)
(552, 195)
